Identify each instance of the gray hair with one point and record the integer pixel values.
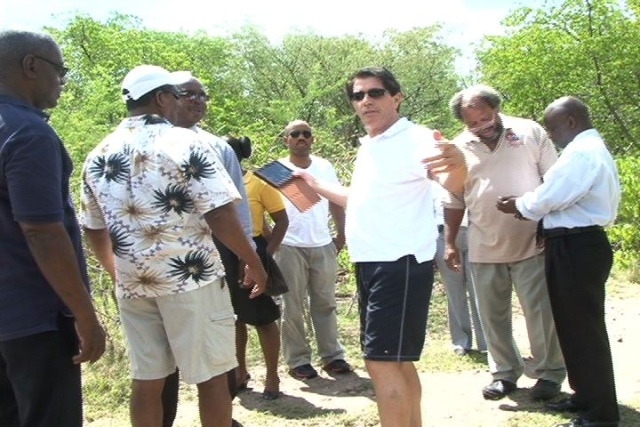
(489, 95)
(16, 44)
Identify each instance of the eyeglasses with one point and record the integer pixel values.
(487, 125)
(305, 133)
(374, 93)
(170, 89)
(60, 69)
(193, 96)
(173, 92)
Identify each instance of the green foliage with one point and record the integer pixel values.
(585, 48)
(256, 87)
(625, 234)
(589, 48)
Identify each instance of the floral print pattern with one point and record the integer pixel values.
(149, 184)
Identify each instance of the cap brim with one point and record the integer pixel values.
(180, 77)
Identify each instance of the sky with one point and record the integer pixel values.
(465, 21)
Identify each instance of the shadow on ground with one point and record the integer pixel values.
(310, 398)
(286, 406)
(519, 401)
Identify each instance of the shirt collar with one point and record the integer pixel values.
(145, 119)
(20, 103)
(586, 134)
(400, 125)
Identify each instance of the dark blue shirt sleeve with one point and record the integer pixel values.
(34, 174)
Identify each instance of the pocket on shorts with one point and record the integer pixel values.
(222, 318)
(222, 347)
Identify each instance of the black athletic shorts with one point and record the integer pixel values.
(394, 303)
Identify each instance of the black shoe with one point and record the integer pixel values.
(234, 423)
(564, 405)
(581, 422)
(544, 390)
(304, 372)
(338, 366)
(498, 389)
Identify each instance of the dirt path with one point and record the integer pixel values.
(449, 399)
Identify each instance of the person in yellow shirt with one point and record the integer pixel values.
(261, 312)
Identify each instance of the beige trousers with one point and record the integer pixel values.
(494, 284)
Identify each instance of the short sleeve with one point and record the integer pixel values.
(90, 215)
(423, 145)
(208, 184)
(270, 198)
(34, 174)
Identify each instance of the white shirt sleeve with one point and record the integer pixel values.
(566, 182)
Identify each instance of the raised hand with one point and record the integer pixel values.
(449, 157)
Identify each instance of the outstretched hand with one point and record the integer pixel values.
(448, 158)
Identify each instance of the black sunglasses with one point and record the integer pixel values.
(305, 133)
(60, 69)
(374, 93)
(192, 96)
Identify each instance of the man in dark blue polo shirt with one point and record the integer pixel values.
(48, 325)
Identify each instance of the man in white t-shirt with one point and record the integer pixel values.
(308, 260)
(391, 233)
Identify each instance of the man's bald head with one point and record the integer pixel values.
(295, 124)
(298, 136)
(193, 106)
(565, 118)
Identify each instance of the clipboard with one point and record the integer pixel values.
(295, 189)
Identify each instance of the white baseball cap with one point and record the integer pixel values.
(145, 78)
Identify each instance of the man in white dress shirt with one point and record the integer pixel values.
(579, 196)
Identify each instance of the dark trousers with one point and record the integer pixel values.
(577, 267)
(39, 383)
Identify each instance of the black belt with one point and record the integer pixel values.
(549, 233)
(440, 228)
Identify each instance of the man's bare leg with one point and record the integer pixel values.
(398, 393)
(215, 402)
(415, 391)
(146, 403)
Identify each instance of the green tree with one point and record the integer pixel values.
(303, 77)
(100, 55)
(586, 48)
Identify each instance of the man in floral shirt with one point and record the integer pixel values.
(505, 156)
(152, 196)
